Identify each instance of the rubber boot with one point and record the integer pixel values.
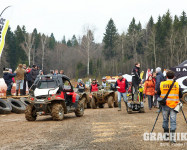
(173, 136)
(9, 93)
(166, 135)
(16, 92)
(21, 92)
(119, 106)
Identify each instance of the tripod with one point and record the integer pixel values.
(159, 114)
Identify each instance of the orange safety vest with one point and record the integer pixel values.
(173, 97)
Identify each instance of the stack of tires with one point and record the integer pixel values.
(12, 105)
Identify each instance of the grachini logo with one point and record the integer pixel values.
(164, 136)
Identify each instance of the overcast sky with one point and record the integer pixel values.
(68, 17)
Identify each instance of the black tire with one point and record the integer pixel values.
(89, 103)
(24, 101)
(141, 110)
(129, 110)
(85, 102)
(5, 107)
(57, 112)
(101, 105)
(184, 98)
(30, 113)
(115, 103)
(93, 103)
(110, 102)
(17, 106)
(79, 112)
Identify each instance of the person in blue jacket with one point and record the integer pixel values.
(7, 76)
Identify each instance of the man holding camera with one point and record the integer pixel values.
(171, 102)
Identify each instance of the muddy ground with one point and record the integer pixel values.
(97, 129)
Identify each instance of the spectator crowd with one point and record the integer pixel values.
(24, 76)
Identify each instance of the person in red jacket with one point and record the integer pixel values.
(121, 85)
(94, 86)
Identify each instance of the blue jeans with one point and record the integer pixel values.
(169, 112)
(124, 95)
(19, 83)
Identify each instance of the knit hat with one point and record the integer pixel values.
(158, 69)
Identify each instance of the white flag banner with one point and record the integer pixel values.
(3, 29)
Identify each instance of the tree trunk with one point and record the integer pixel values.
(88, 65)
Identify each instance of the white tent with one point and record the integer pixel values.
(128, 77)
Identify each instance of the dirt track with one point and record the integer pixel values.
(97, 129)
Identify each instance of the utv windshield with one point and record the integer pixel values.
(47, 84)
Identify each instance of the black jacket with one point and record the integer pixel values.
(136, 76)
(81, 89)
(34, 74)
(28, 75)
(8, 77)
(159, 78)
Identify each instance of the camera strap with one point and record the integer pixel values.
(169, 90)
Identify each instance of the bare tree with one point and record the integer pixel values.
(153, 44)
(86, 43)
(43, 41)
(29, 41)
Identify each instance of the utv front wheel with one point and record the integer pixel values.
(129, 110)
(101, 105)
(85, 102)
(30, 113)
(93, 103)
(57, 112)
(79, 112)
(110, 102)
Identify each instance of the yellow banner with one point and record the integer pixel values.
(3, 29)
(141, 74)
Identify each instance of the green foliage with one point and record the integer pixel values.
(37, 39)
(64, 40)
(161, 43)
(69, 44)
(110, 40)
(15, 53)
(52, 41)
(74, 41)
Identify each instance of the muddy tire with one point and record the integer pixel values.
(115, 103)
(110, 102)
(30, 113)
(57, 112)
(17, 106)
(24, 101)
(141, 110)
(5, 107)
(93, 103)
(85, 102)
(129, 110)
(184, 98)
(89, 103)
(101, 105)
(79, 112)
